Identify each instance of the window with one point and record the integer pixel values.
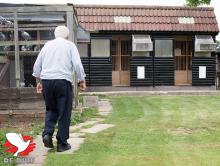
(83, 50)
(163, 48)
(100, 47)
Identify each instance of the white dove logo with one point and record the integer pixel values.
(17, 140)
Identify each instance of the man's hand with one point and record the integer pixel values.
(39, 88)
(82, 85)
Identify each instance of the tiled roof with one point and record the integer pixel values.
(146, 18)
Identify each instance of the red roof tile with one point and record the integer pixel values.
(146, 18)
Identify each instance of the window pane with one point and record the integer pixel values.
(100, 47)
(114, 47)
(163, 48)
(125, 63)
(83, 50)
(115, 63)
(125, 47)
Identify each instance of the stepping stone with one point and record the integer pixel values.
(75, 144)
(104, 113)
(90, 101)
(105, 100)
(77, 135)
(72, 128)
(97, 128)
(104, 103)
(106, 108)
(97, 119)
(87, 123)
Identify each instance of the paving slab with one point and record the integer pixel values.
(77, 135)
(97, 128)
(75, 144)
(104, 103)
(105, 108)
(97, 119)
(90, 101)
(91, 122)
(104, 113)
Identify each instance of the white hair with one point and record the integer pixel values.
(61, 31)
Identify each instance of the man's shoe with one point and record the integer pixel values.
(48, 142)
(63, 147)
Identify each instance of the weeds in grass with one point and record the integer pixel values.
(82, 117)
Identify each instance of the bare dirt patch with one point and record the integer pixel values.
(180, 131)
(187, 131)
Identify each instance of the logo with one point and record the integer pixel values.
(18, 144)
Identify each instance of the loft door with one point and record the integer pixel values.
(121, 52)
(183, 61)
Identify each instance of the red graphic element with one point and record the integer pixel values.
(13, 149)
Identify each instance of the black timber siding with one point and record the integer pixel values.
(163, 71)
(98, 71)
(147, 62)
(210, 64)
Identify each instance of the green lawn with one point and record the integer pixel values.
(153, 131)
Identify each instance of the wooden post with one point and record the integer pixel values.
(38, 38)
(17, 59)
(71, 25)
(69, 22)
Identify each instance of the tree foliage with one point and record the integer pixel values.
(197, 2)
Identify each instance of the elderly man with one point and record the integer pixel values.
(53, 70)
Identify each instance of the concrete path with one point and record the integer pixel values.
(75, 143)
(76, 138)
(97, 128)
(157, 93)
(106, 89)
(80, 125)
(104, 108)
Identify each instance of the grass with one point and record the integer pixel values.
(87, 126)
(82, 117)
(154, 131)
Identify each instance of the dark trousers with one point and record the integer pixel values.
(58, 100)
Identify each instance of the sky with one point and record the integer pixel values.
(214, 3)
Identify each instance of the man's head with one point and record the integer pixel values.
(61, 31)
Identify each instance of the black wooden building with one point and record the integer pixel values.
(148, 45)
